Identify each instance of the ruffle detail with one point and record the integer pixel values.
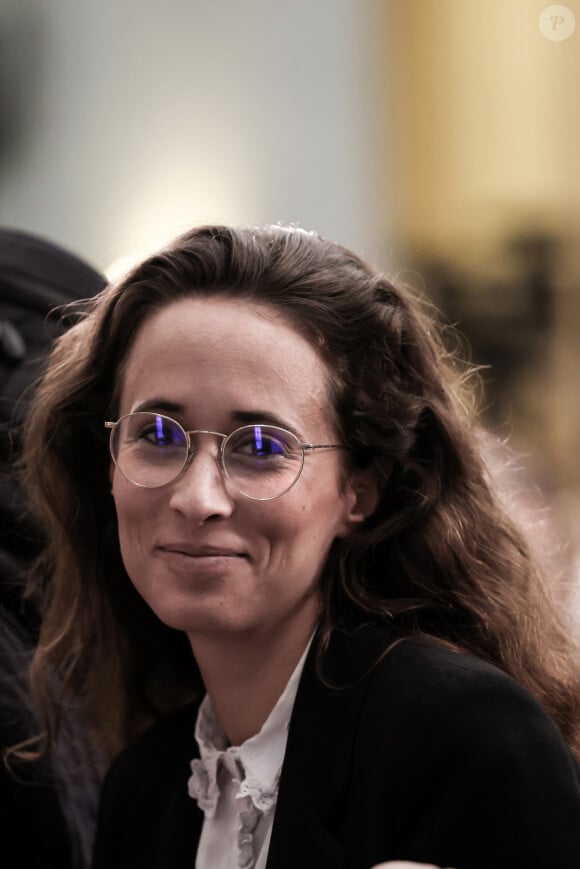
(248, 821)
(264, 800)
(202, 785)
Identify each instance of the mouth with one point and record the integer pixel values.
(199, 553)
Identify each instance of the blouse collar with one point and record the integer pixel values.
(259, 758)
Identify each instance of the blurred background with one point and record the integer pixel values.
(438, 138)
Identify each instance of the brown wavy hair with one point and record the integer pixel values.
(438, 559)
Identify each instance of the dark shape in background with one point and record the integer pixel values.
(48, 806)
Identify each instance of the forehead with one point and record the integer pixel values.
(201, 352)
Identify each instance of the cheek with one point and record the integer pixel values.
(132, 511)
(134, 535)
(121, 498)
(305, 526)
(126, 529)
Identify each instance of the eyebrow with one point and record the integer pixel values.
(159, 404)
(244, 417)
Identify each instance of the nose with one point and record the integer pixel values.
(201, 492)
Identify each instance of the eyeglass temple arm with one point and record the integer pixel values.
(311, 447)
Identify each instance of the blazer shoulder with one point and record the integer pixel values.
(422, 668)
(431, 695)
(409, 674)
(457, 764)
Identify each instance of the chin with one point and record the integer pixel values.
(197, 621)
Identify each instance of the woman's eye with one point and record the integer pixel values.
(261, 445)
(161, 436)
(269, 447)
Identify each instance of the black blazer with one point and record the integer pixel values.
(429, 755)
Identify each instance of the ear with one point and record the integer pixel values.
(363, 496)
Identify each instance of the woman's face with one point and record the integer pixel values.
(203, 556)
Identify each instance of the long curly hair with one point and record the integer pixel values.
(438, 559)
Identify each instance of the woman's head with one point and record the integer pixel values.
(410, 531)
(233, 541)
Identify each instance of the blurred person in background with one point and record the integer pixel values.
(48, 808)
(283, 587)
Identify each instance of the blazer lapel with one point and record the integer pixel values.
(308, 825)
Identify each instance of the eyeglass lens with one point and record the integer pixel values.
(151, 450)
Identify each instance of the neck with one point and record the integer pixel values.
(244, 676)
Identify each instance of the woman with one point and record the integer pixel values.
(283, 587)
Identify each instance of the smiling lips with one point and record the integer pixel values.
(191, 551)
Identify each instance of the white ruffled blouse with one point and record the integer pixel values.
(237, 786)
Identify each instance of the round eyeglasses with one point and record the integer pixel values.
(263, 461)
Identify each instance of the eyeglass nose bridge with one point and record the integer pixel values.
(191, 452)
